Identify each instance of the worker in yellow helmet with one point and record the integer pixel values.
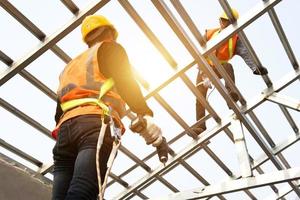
(233, 46)
(80, 113)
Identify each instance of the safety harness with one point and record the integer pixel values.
(106, 121)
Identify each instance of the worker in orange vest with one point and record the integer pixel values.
(233, 46)
(82, 111)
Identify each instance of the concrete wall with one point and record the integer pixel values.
(17, 182)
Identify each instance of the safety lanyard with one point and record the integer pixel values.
(116, 144)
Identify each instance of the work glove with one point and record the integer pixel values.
(260, 71)
(150, 131)
(205, 81)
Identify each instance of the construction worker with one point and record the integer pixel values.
(79, 121)
(224, 53)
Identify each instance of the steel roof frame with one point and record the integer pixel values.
(240, 113)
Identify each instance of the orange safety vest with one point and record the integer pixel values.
(80, 79)
(226, 51)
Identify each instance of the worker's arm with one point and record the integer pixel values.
(114, 63)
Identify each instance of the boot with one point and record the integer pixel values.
(260, 71)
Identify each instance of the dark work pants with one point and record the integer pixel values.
(200, 110)
(74, 155)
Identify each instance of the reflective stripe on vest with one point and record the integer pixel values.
(108, 85)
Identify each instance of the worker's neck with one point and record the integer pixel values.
(94, 42)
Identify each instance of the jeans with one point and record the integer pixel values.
(200, 110)
(74, 154)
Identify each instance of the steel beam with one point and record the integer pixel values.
(13, 11)
(30, 78)
(38, 84)
(285, 101)
(290, 119)
(281, 193)
(241, 148)
(159, 46)
(283, 38)
(263, 145)
(188, 21)
(238, 185)
(50, 41)
(195, 144)
(5, 58)
(25, 118)
(148, 32)
(242, 36)
(162, 8)
(20, 153)
(71, 6)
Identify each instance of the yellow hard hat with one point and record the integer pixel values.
(92, 22)
(234, 12)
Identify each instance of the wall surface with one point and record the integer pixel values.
(18, 182)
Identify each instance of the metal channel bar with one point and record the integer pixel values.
(241, 149)
(259, 170)
(177, 137)
(283, 38)
(281, 193)
(182, 162)
(145, 167)
(290, 119)
(5, 58)
(293, 60)
(267, 137)
(30, 78)
(37, 83)
(148, 32)
(278, 86)
(243, 38)
(160, 6)
(189, 22)
(238, 185)
(13, 11)
(48, 42)
(155, 41)
(20, 153)
(25, 118)
(195, 144)
(186, 127)
(165, 12)
(71, 6)
(193, 28)
(285, 101)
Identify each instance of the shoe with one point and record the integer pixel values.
(234, 96)
(260, 71)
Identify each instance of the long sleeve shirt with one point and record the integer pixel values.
(113, 63)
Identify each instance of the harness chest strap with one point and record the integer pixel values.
(107, 85)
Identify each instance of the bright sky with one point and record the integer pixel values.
(50, 16)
